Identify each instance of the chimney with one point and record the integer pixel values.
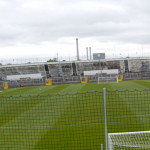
(77, 49)
(87, 53)
(90, 53)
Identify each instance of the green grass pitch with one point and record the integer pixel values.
(71, 116)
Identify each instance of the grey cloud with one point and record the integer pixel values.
(125, 21)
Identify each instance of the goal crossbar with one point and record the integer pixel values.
(108, 79)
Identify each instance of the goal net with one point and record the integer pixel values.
(108, 79)
(129, 141)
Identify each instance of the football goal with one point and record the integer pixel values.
(129, 140)
(108, 79)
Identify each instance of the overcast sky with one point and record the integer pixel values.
(32, 28)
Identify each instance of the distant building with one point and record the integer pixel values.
(98, 56)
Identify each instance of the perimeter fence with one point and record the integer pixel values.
(96, 120)
(73, 79)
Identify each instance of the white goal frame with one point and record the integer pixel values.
(139, 140)
(107, 79)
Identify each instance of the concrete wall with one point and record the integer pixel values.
(139, 65)
(59, 69)
(97, 65)
(122, 66)
(22, 69)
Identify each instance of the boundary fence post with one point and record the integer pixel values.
(105, 114)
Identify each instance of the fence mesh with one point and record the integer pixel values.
(52, 122)
(75, 121)
(128, 117)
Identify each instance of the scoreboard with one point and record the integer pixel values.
(98, 56)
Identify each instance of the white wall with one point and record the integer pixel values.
(94, 72)
(18, 77)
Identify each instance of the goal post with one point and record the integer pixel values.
(129, 140)
(117, 78)
(108, 79)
